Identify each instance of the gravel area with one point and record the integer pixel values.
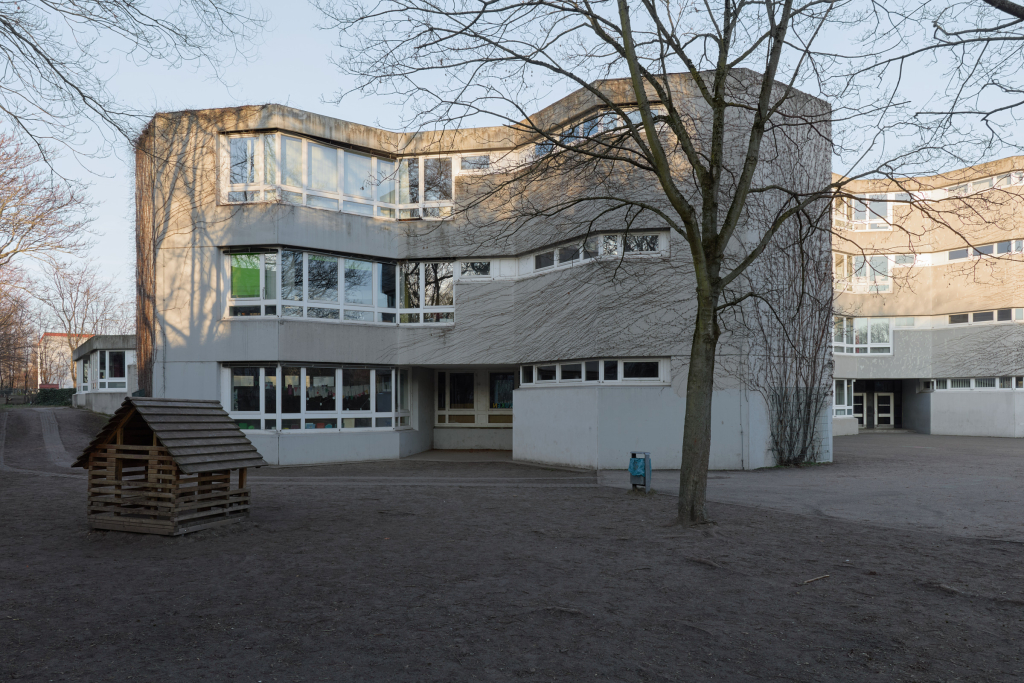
(498, 572)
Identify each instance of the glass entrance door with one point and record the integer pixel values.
(883, 410)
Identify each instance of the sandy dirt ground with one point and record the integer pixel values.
(435, 571)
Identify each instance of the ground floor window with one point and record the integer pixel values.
(603, 371)
(317, 397)
(475, 398)
(843, 397)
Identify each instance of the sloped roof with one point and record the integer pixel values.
(199, 435)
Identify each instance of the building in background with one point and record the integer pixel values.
(929, 331)
(106, 372)
(308, 272)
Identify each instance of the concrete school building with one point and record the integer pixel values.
(929, 331)
(312, 275)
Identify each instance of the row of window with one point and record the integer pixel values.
(601, 245)
(277, 397)
(875, 211)
(286, 168)
(862, 335)
(994, 249)
(104, 370)
(970, 383)
(474, 398)
(598, 371)
(295, 284)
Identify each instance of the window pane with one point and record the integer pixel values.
(983, 317)
(878, 207)
(611, 370)
(243, 160)
(358, 282)
(270, 276)
(1003, 248)
(957, 254)
(409, 318)
(246, 196)
(476, 163)
(103, 364)
(610, 244)
(320, 389)
(476, 269)
(358, 208)
(545, 260)
(461, 391)
(986, 250)
(879, 269)
(592, 371)
(358, 177)
(382, 399)
(322, 313)
(291, 275)
(323, 168)
(409, 183)
(958, 319)
(437, 180)
(568, 254)
(116, 364)
(323, 277)
(441, 395)
(880, 331)
(904, 259)
(386, 181)
(546, 373)
(245, 276)
(860, 331)
(243, 311)
(355, 389)
(365, 316)
(1004, 314)
(502, 384)
(403, 392)
(572, 371)
(438, 281)
(291, 390)
(317, 202)
(270, 159)
(590, 248)
(410, 286)
(245, 392)
(291, 311)
(356, 422)
(270, 391)
(641, 242)
(291, 161)
(640, 370)
(840, 396)
(527, 374)
(383, 422)
(386, 296)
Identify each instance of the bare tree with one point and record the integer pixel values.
(79, 302)
(53, 54)
(17, 331)
(41, 217)
(698, 139)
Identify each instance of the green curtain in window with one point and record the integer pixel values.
(245, 275)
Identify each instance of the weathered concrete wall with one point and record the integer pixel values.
(917, 408)
(479, 438)
(844, 426)
(978, 413)
(106, 402)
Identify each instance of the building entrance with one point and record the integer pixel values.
(883, 410)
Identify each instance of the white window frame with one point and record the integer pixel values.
(662, 378)
(481, 410)
(422, 311)
(849, 343)
(102, 383)
(336, 416)
(842, 398)
(605, 245)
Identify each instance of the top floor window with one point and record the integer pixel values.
(293, 170)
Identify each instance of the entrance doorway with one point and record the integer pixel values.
(883, 410)
(858, 408)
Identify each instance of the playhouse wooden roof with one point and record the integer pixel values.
(199, 435)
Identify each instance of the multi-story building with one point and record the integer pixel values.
(316, 276)
(928, 332)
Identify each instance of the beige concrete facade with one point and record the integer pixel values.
(930, 302)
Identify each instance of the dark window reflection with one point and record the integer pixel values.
(245, 391)
(355, 389)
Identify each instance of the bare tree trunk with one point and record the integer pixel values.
(700, 386)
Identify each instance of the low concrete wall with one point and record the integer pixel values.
(480, 438)
(978, 413)
(844, 426)
(598, 426)
(106, 403)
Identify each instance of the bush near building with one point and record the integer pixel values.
(54, 397)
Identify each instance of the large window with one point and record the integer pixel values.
(293, 170)
(862, 335)
(475, 398)
(843, 397)
(864, 274)
(109, 370)
(289, 398)
(295, 284)
(640, 370)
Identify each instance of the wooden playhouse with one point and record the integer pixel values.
(167, 466)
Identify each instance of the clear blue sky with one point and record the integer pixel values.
(292, 68)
